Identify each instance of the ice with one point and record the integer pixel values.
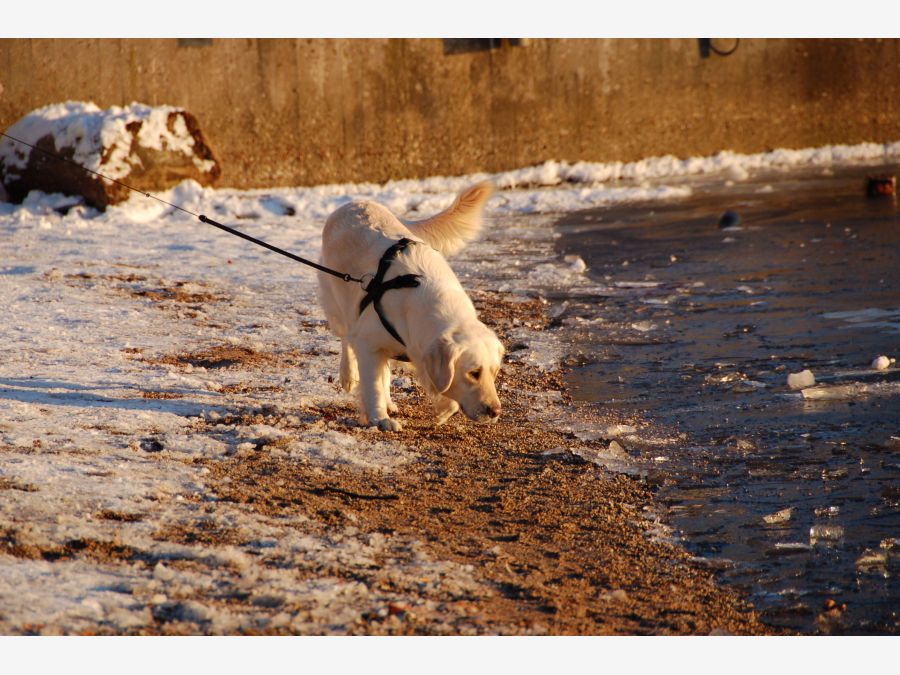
(779, 516)
(872, 559)
(870, 317)
(801, 380)
(576, 263)
(835, 392)
(619, 430)
(882, 363)
(790, 547)
(613, 457)
(825, 533)
(748, 386)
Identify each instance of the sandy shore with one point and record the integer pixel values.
(178, 459)
(554, 544)
(490, 529)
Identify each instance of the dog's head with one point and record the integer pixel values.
(462, 365)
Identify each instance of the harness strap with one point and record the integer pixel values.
(377, 287)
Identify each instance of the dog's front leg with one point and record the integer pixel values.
(372, 391)
(391, 406)
(444, 408)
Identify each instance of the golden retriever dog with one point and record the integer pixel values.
(409, 306)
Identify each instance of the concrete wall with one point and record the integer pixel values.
(292, 112)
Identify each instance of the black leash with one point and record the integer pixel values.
(200, 217)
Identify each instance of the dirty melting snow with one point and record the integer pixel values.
(138, 340)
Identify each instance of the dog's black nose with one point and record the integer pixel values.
(492, 410)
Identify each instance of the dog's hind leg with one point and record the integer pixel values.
(349, 368)
(372, 367)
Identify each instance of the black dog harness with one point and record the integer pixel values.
(377, 286)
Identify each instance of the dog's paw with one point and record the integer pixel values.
(444, 410)
(387, 424)
(392, 408)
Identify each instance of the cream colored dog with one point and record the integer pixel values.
(456, 357)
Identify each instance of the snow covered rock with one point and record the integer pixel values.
(149, 148)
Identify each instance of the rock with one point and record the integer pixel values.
(883, 185)
(729, 220)
(149, 148)
(801, 380)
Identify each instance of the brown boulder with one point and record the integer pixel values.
(147, 148)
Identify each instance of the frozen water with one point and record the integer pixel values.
(779, 516)
(801, 380)
(881, 363)
(825, 533)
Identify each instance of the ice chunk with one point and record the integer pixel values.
(871, 558)
(576, 264)
(619, 430)
(616, 451)
(779, 516)
(881, 363)
(801, 380)
(747, 386)
(789, 547)
(825, 533)
(836, 392)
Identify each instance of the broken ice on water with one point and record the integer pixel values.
(801, 380)
(779, 516)
(825, 533)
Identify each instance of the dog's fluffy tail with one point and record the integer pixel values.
(450, 230)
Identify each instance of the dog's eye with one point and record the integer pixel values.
(475, 374)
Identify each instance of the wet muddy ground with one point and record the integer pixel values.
(792, 496)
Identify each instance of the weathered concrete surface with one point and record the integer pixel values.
(287, 112)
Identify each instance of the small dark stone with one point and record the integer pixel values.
(883, 185)
(729, 219)
(151, 445)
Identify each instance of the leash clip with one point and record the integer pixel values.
(365, 280)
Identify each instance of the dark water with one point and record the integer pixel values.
(701, 328)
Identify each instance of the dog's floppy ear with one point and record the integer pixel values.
(440, 362)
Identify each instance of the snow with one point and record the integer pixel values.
(106, 403)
